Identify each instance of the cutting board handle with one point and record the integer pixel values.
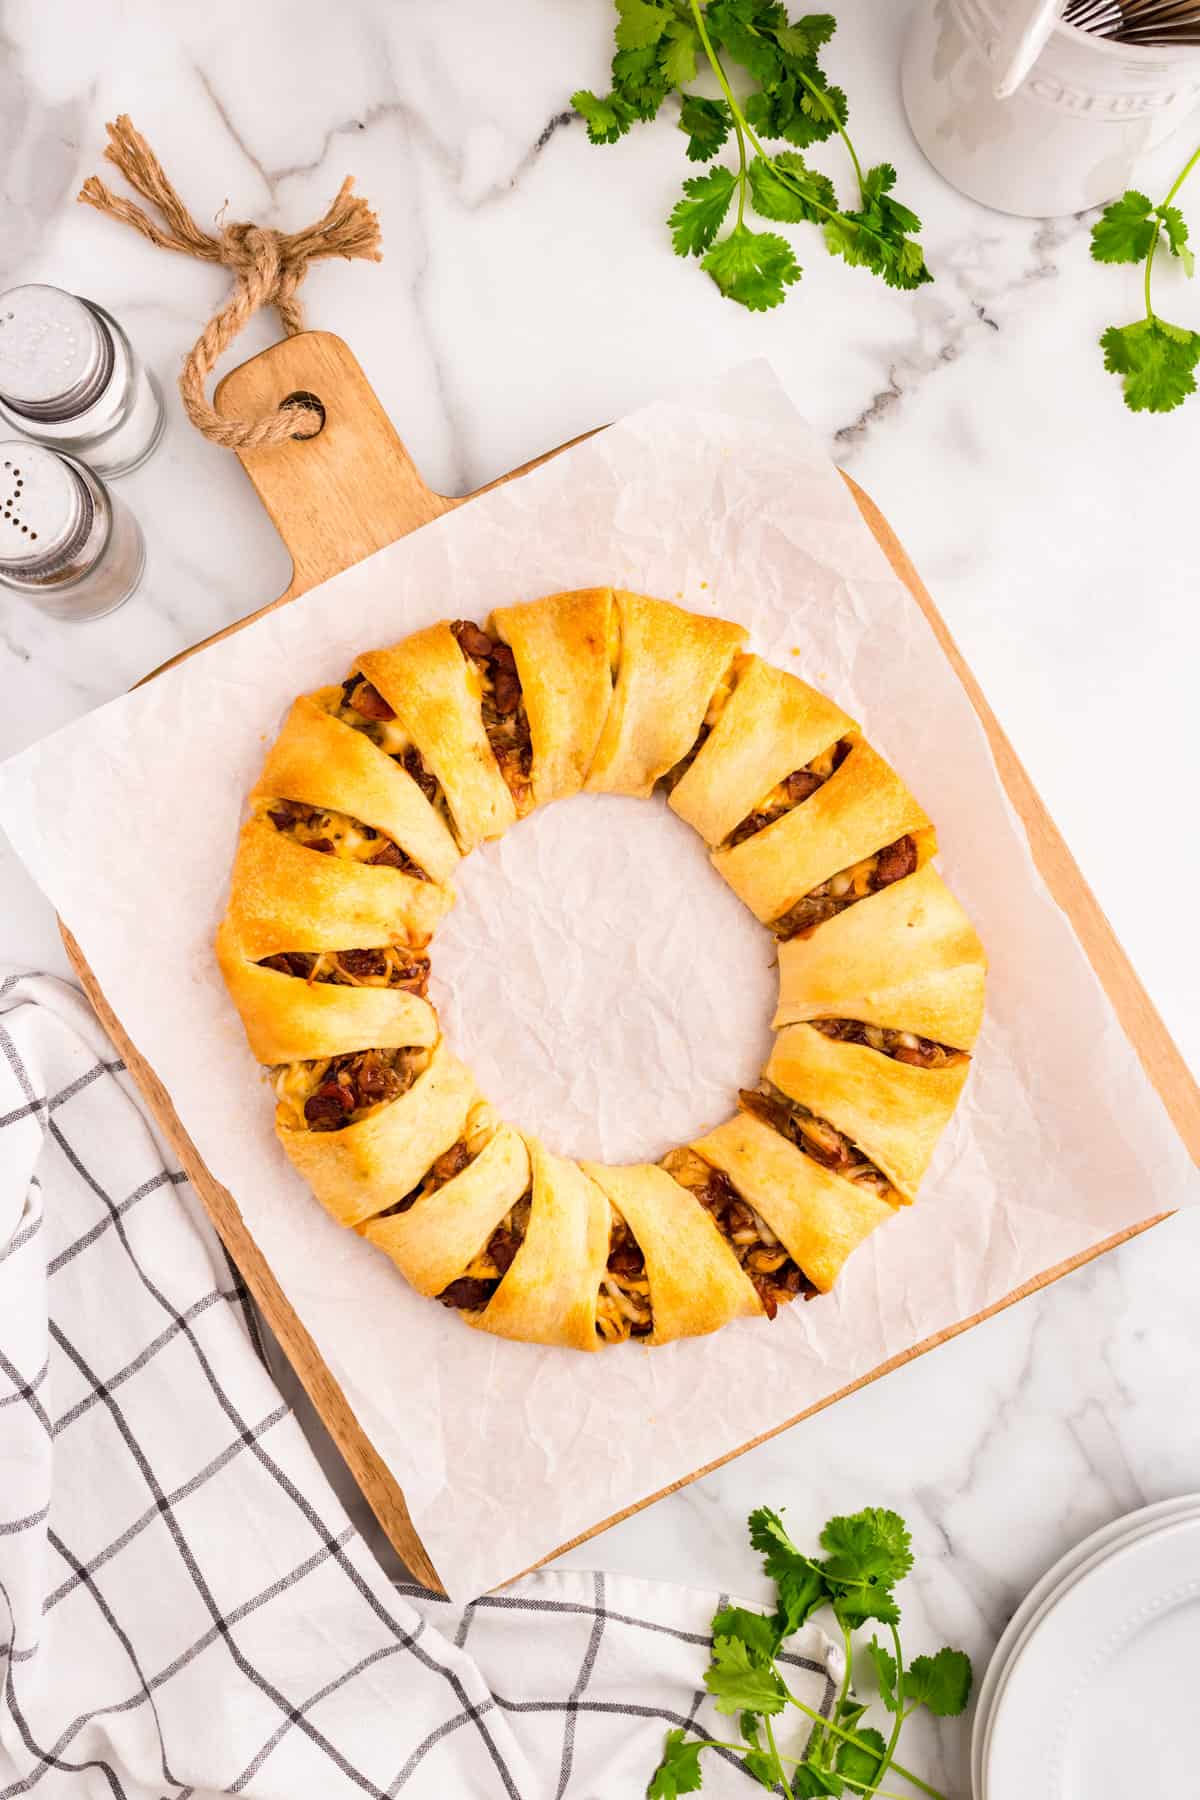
(350, 490)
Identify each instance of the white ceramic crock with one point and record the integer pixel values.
(1073, 133)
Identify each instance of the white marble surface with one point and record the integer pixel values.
(528, 293)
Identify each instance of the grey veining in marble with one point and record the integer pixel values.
(529, 292)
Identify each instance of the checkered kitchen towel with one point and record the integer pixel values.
(185, 1608)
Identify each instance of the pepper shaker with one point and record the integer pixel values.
(69, 378)
(67, 544)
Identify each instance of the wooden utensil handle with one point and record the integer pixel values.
(349, 491)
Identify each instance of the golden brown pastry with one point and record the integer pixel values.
(693, 1280)
(819, 1217)
(344, 869)
(436, 694)
(771, 730)
(860, 809)
(673, 666)
(906, 957)
(566, 649)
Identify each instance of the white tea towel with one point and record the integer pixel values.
(185, 1608)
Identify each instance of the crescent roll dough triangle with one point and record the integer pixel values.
(435, 695)
(817, 1216)
(772, 724)
(549, 1294)
(671, 664)
(375, 1162)
(907, 957)
(863, 806)
(893, 1112)
(432, 1243)
(319, 760)
(564, 647)
(283, 896)
(696, 1282)
(291, 1020)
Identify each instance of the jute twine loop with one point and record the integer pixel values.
(268, 265)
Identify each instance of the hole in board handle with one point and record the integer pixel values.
(303, 398)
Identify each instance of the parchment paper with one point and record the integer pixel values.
(603, 984)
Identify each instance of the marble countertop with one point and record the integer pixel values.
(528, 293)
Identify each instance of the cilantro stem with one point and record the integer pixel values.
(796, 1761)
(745, 130)
(739, 123)
(822, 100)
(1182, 176)
(1190, 164)
(901, 1715)
(775, 1752)
(849, 1738)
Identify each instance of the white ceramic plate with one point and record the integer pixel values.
(1100, 1701)
(1043, 1595)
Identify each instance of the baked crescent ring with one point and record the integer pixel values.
(344, 869)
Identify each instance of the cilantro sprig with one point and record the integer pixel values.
(660, 48)
(1155, 360)
(866, 1555)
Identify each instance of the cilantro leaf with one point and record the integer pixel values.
(870, 1546)
(638, 79)
(1155, 362)
(1177, 237)
(741, 33)
(1125, 229)
(853, 1606)
(859, 1764)
(885, 1672)
(768, 1537)
(679, 52)
(809, 1781)
(802, 1592)
(800, 1587)
(696, 219)
(707, 123)
(941, 1682)
(739, 1683)
(804, 37)
(851, 1712)
(642, 23)
(755, 1630)
(679, 1770)
(606, 120)
(787, 190)
(752, 267)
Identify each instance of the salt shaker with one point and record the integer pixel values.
(69, 378)
(67, 544)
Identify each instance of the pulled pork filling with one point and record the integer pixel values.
(337, 834)
(901, 1046)
(847, 887)
(716, 706)
(789, 792)
(484, 1273)
(365, 708)
(395, 966)
(502, 705)
(337, 1091)
(623, 1308)
(776, 1277)
(816, 1137)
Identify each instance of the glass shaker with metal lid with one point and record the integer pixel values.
(66, 544)
(69, 377)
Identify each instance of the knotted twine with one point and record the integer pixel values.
(268, 266)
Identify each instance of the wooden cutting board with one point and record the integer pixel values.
(353, 489)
